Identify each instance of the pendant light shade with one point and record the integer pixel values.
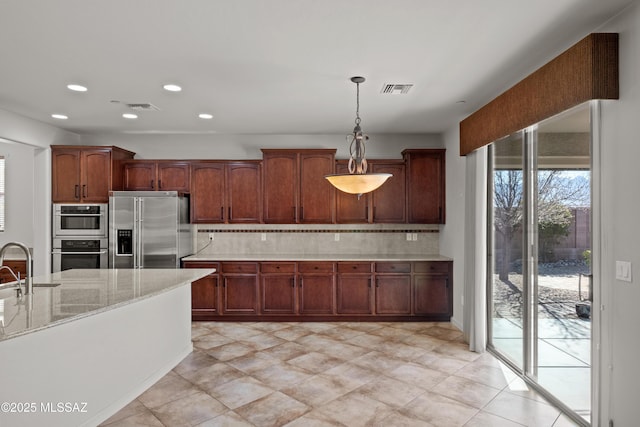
(357, 181)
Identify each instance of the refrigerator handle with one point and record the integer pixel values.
(140, 234)
(135, 232)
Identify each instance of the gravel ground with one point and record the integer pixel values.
(557, 286)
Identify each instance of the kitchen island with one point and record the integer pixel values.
(87, 342)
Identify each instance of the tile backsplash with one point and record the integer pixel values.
(317, 239)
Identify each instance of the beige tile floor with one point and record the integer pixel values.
(336, 374)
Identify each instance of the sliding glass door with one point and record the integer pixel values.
(540, 252)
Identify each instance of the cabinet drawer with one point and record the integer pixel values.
(393, 267)
(277, 267)
(316, 267)
(201, 264)
(354, 267)
(432, 267)
(239, 267)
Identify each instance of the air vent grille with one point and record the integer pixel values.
(143, 107)
(395, 88)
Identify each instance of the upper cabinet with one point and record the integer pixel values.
(152, 175)
(425, 185)
(226, 191)
(384, 205)
(86, 174)
(295, 190)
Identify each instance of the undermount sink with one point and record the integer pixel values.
(46, 285)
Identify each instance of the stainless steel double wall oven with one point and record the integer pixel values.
(80, 236)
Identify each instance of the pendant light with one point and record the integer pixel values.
(357, 181)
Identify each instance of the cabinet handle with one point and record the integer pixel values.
(77, 191)
(295, 213)
(221, 212)
(366, 211)
(152, 187)
(293, 282)
(369, 282)
(224, 283)
(301, 281)
(159, 184)
(440, 214)
(446, 282)
(301, 212)
(374, 212)
(229, 212)
(84, 190)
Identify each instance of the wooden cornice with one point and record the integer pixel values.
(588, 70)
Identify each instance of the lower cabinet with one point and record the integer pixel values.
(326, 290)
(204, 292)
(317, 288)
(239, 288)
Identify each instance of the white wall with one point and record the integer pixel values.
(620, 175)
(30, 182)
(244, 146)
(452, 233)
(19, 198)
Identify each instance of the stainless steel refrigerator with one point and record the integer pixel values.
(148, 229)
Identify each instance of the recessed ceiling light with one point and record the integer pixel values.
(205, 116)
(60, 116)
(172, 88)
(130, 116)
(76, 88)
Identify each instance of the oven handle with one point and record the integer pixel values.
(78, 253)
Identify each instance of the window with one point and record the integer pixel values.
(1, 193)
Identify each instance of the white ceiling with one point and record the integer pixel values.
(276, 66)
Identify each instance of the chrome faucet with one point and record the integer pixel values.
(17, 277)
(28, 279)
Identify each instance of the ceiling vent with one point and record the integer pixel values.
(396, 88)
(143, 107)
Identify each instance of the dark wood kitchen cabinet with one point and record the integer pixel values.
(226, 192)
(433, 290)
(393, 288)
(278, 287)
(316, 283)
(295, 190)
(17, 266)
(425, 185)
(85, 173)
(354, 288)
(204, 292)
(384, 205)
(240, 293)
(156, 175)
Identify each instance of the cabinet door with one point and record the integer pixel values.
(317, 293)
(317, 195)
(425, 186)
(278, 294)
(240, 294)
(207, 193)
(354, 294)
(139, 176)
(173, 176)
(350, 208)
(393, 294)
(389, 201)
(280, 187)
(204, 296)
(431, 294)
(65, 170)
(244, 192)
(96, 175)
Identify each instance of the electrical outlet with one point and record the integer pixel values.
(623, 271)
(263, 237)
(408, 237)
(336, 237)
(211, 237)
(414, 237)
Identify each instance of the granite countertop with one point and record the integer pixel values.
(317, 257)
(81, 293)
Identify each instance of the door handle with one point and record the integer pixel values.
(159, 184)
(77, 191)
(84, 190)
(152, 185)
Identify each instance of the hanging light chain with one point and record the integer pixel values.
(357, 103)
